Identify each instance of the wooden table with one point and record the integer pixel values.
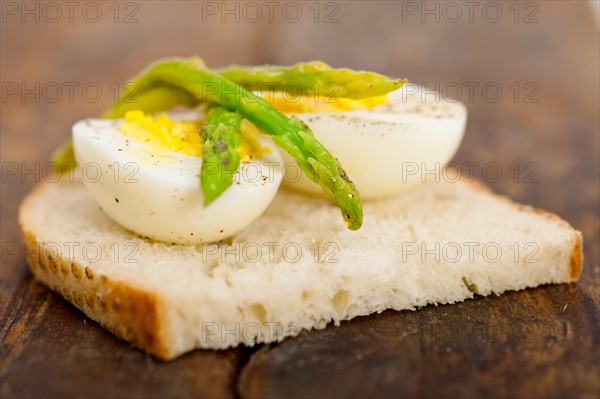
(542, 342)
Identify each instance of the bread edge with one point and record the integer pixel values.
(134, 314)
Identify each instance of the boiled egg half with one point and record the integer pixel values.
(386, 144)
(143, 171)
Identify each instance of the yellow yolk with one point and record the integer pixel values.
(164, 133)
(287, 103)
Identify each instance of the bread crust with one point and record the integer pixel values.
(133, 314)
(576, 261)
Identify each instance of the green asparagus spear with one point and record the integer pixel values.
(289, 133)
(312, 78)
(151, 100)
(220, 160)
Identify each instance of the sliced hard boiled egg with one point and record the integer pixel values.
(152, 187)
(385, 147)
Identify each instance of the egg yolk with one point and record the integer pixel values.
(287, 103)
(164, 133)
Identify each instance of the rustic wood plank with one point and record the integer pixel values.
(541, 342)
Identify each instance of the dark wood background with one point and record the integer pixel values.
(543, 342)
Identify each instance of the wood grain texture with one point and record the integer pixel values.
(543, 342)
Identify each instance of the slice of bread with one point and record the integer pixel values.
(297, 267)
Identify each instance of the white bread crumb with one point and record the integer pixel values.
(170, 299)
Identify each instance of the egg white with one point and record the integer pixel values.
(156, 193)
(389, 148)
